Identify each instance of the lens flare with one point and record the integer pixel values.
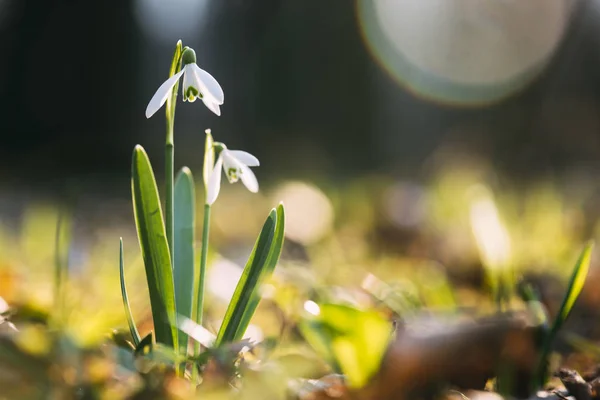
(312, 308)
(309, 212)
(167, 21)
(490, 233)
(463, 52)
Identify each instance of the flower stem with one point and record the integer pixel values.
(60, 272)
(170, 149)
(199, 284)
(169, 211)
(170, 162)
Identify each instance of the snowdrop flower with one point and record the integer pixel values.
(197, 83)
(235, 163)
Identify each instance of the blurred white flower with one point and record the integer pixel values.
(196, 83)
(236, 165)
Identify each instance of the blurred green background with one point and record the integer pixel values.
(403, 137)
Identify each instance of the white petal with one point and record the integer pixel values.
(209, 85)
(162, 94)
(189, 79)
(249, 179)
(229, 161)
(214, 182)
(245, 158)
(214, 107)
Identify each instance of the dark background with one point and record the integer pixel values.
(300, 88)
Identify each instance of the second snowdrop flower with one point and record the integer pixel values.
(236, 165)
(197, 83)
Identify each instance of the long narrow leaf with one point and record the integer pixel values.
(574, 289)
(61, 267)
(268, 269)
(576, 283)
(248, 282)
(135, 335)
(183, 255)
(155, 250)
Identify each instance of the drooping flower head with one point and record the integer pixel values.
(236, 165)
(197, 83)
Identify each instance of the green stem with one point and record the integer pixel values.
(170, 164)
(169, 200)
(170, 149)
(199, 285)
(59, 271)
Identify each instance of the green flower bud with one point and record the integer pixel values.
(188, 56)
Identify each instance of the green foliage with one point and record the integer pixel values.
(574, 288)
(170, 150)
(268, 268)
(183, 254)
(352, 340)
(154, 247)
(260, 265)
(62, 241)
(198, 290)
(135, 335)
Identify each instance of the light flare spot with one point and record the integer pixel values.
(490, 233)
(312, 308)
(309, 212)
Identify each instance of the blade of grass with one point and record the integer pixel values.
(155, 250)
(574, 289)
(183, 255)
(62, 240)
(135, 335)
(268, 269)
(576, 283)
(59, 271)
(248, 282)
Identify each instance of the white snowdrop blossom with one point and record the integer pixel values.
(197, 83)
(236, 165)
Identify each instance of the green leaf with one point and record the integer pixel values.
(183, 255)
(575, 285)
(574, 288)
(352, 340)
(155, 250)
(135, 335)
(268, 269)
(61, 268)
(248, 283)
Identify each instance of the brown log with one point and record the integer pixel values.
(424, 359)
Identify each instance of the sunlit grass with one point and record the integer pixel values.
(395, 247)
